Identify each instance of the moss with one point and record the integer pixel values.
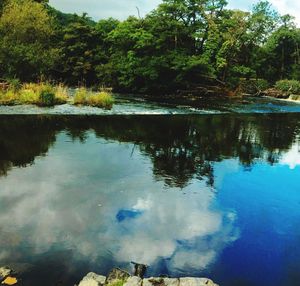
(117, 283)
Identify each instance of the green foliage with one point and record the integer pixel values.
(288, 86)
(47, 98)
(117, 283)
(102, 99)
(253, 86)
(26, 50)
(42, 94)
(173, 47)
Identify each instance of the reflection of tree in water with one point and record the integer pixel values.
(22, 139)
(180, 147)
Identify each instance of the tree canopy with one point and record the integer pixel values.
(176, 46)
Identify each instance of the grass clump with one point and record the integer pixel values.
(102, 99)
(288, 86)
(42, 94)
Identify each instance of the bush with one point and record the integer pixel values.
(253, 86)
(14, 84)
(81, 96)
(288, 86)
(8, 97)
(42, 94)
(61, 94)
(261, 84)
(101, 99)
(46, 98)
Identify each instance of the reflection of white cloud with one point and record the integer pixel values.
(292, 157)
(71, 198)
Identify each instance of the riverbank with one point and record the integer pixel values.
(116, 277)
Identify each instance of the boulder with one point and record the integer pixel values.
(153, 281)
(4, 272)
(159, 281)
(139, 269)
(133, 281)
(92, 279)
(190, 281)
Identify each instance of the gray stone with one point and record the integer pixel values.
(190, 281)
(171, 281)
(4, 272)
(133, 281)
(153, 281)
(117, 274)
(160, 281)
(92, 279)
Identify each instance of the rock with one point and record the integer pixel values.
(171, 281)
(133, 281)
(153, 281)
(10, 281)
(189, 281)
(117, 275)
(4, 272)
(139, 269)
(159, 281)
(92, 279)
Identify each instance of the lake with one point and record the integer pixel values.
(213, 195)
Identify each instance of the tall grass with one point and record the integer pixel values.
(103, 99)
(43, 94)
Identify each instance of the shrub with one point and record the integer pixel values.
(288, 86)
(261, 84)
(8, 97)
(61, 94)
(103, 99)
(46, 98)
(81, 96)
(253, 86)
(42, 94)
(14, 84)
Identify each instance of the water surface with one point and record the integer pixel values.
(211, 195)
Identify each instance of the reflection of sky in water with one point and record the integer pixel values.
(100, 200)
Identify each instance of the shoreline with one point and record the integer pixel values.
(119, 277)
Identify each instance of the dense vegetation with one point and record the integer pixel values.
(179, 45)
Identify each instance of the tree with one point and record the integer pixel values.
(26, 50)
(79, 51)
(281, 56)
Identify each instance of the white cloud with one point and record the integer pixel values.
(45, 204)
(292, 157)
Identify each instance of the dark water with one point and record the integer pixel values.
(211, 195)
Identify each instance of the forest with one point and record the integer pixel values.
(178, 45)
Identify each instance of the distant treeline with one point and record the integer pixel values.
(174, 47)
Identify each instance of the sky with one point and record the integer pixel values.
(121, 9)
